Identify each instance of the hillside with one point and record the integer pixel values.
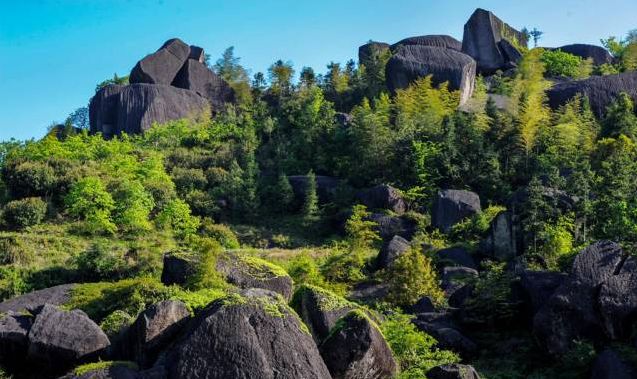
(439, 209)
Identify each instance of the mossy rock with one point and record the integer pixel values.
(104, 370)
(245, 271)
(320, 309)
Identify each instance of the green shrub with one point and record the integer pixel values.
(411, 277)
(474, 228)
(220, 233)
(187, 179)
(23, 213)
(89, 201)
(177, 217)
(414, 350)
(305, 270)
(206, 251)
(114, 323)
(360, 231)
(14, 251)
(100, 262)
(133, 205)
(491, 301)
(559, 63)
(102, 365)
(29, 178)
(344, 266)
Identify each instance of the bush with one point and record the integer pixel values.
(29, 179)
(491, 301)
(559, 63)
(206, 252)
(177, 216)
(19, 214)
(14, 251)
(187, 179)
(88, 200)
(133, 207)
(220, 233)
(114, 323)
(411, 277)
(304, 270)
(414, 350)
(360, 231)
(101, 262)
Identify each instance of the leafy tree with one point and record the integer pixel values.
(536, 35)
(229, 68)
(281, 74)
(23, 213)
(411, 277)
(133, 205)
(308, 77)
(119, 80)
(311, 211)
(360, 231)
(560, 63)
(79, 118)
(89, 201)
(177, 216)
(620, 118)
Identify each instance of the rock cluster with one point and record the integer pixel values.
(170, 84)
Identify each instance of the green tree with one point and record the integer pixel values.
(560, 63)
(411, 277)
(133, 205)
(281, 74)
(177, 217)
(89, 201)
(284, 194)
(360, 231)
(311, 211)
(620, 118)
(230, 69)
(23, 213)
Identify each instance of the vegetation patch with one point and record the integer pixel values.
(90, 367)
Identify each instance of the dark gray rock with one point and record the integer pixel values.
(153, 330)
(390, 226)
(482, 35)
(356, 348)
(597, 263)
(177, 269)
(32, 301)
(14, 341)
(456, 256)
(510, 52)
(368, 293)
(197, 53)
(452, 206)
(252, 335)
(618, 304)
(371, 51)
(424, 305)
(443, 41)
(195, 76)
(103, 110)
(448, 338)
(141, 105)
(325, 187)
(608, 365)
(115, 371)
(383, 197)
(501, 241)
(598, 54)
(412, 62)
(162, 66)
(459, 294)
(457, 274)
(453, 371)
(60, 339)
(540, 285)
(320, 309)
(247, 272)
(391, 250)
(600, 90)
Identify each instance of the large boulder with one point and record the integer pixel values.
(391, 250)
(32, 301)
(356, 349)
(177, 269)
(608, 365)
(618, 304)
(59, 339)
(444, 41)
(246, 271)
(412, 62)
(195, 76)
(153, 330)
(389, 226)
(371, 51)
(597, 54)
(453, 371)
(600, 90)
(14, 341)
(103, 110)
(106, 370)
(320, 309)
(162, 66)
(383, 197)
(482, 36)
(249, 335)
(539, 286)
(452, 206)
(456, 256)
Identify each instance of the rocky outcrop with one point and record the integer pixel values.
(162, 66)
(32, 301)
(178, 268)
(195, 76)
(452, 206)
(443, 41)
(14, 341)
(251, 272)
(482, 36)
(453, 371)
(371, 51)
(60, 339)
(412, 62)
(539, 286)
(103, 110)
(601, 91)
(502, 239)
(391, 250)
(383, 197)
(355, 348)
(456, 256)
(320, 309)
(608, 365)
(440, 325)
(597, 54)
(389, 226)
(249, 335)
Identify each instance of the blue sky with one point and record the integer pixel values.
(53, 52)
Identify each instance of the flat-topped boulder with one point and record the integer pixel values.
(195, 76)
(162, 66)
(601, 91)
(597, 54)
(245, 271)
(383, 197)
(482, 36)
(32, 301)
(452, 206)
(412, 62)
(447, 42)
(391, 250)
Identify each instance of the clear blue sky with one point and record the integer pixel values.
(53, 52)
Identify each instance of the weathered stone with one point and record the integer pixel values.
(540, 285)
(482, 35)
(357, 349)
(443, 41)
(60, 339)
(383, 197)
(608, 365)
(197, 53)
(251, 272)
(251, 335)
(162, 66)
(510, 52)
(103, 110)
(457, 274)
(601, 91)
(32, 301)
(390, 226)
(14, 341)
(453, 371)
(452, 206)
(117, 370)
(459, 294)
(412, 62)
(369, 293)
(371, 52)
(195, 76)
(448, 337)
(320, 309)
(597, 54)
(618, 304)
(456, 256)
(597, 263)
(391, 250)
(424, 305)
(177, 269)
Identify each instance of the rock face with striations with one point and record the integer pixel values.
(452, 206)
(383, 197)
(195, 76)
(162, 66)
(600, 90)
(444, 41)
(251, 335)
(453, 371)
(32, 301)
(598, 54)
(14, 341)
(357, 349)
(482, 36)
(412, 62)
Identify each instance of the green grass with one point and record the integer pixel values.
(89, 367)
